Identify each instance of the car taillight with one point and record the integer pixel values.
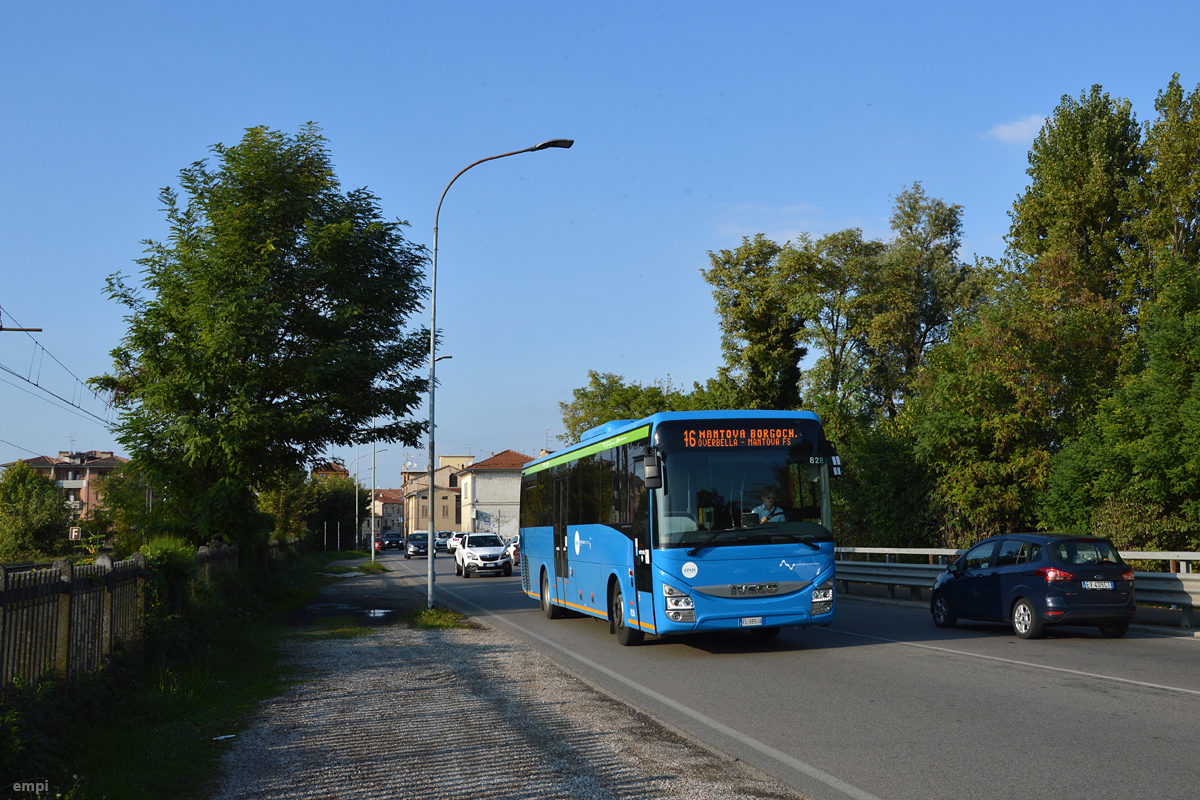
(1127, 575)
(1054, 574)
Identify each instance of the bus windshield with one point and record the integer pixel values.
(743, 482)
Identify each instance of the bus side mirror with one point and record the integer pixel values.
(835, 461)
(653, 469)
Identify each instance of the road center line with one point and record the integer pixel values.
(795, 763)
(1014, 661)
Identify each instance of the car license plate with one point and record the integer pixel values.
(747, 622)
(1097, 584)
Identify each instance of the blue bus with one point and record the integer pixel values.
(685, 521)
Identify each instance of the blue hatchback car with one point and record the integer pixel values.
(1035, 579)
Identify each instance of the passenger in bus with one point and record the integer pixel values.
(767, 511)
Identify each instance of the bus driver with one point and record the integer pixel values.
(768, 511)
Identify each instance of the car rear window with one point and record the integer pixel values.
(1084, 551)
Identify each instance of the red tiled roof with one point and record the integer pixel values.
(508, 459)
(92, 459)
(38, 462)
(390, 495)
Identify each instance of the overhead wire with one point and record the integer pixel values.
(26, 449)
(78, 389)
(82, 413)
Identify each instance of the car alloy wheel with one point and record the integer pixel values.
(1024, 620)
(940, 607)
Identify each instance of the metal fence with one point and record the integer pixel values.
(70, 619)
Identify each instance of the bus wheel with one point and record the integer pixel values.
(626, 635)
(548, 608)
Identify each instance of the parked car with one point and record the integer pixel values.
(513, 548)
(1035, 580)
(481, 553)
(454, 541)
(417, 544)
(441, 539)
(391, 541)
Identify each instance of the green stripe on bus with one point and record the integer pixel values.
(607, 444)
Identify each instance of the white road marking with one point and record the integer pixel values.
(1014, 661)
(800, 766)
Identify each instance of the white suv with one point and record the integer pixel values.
(481, 553)
(455, 541)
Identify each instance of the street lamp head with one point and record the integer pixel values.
(563, 143)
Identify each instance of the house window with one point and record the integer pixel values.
(445, 511)
(424, 512)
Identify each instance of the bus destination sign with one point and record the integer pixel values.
(740, 437)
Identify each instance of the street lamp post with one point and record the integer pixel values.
(563, 143)
(354, 464)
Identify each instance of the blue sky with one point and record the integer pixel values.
(695, 124)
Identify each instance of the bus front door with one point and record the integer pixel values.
(561, 567)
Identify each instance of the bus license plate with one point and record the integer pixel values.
(1097, 584)
(750, 621)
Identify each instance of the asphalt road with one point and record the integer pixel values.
(884, 705)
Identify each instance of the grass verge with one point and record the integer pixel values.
(372, 568)
(436, 617)
(149, 726)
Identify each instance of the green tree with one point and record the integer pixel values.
(288, 500)
(133, 511)
(909, 301)
(273, 328)
(1082, 167)
(827, 290)
(1023, 377)
(33, 513)
(1170, 197)
(333, 504)
(760, 330)
(608, 397)
(1130, 473)
(1138, 466)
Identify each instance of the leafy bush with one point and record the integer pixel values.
(172, 564)
(33, 518)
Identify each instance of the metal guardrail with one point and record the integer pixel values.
(1180, 589)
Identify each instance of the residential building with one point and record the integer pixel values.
(388, 512)
(447, 504)
(333, 468)
(491, 494)
(78, 474)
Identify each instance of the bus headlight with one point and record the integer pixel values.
(679, 606)
(822, 598)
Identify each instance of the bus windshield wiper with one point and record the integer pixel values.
(801, 539)
(707, 542)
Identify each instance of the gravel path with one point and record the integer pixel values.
(460, 713)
